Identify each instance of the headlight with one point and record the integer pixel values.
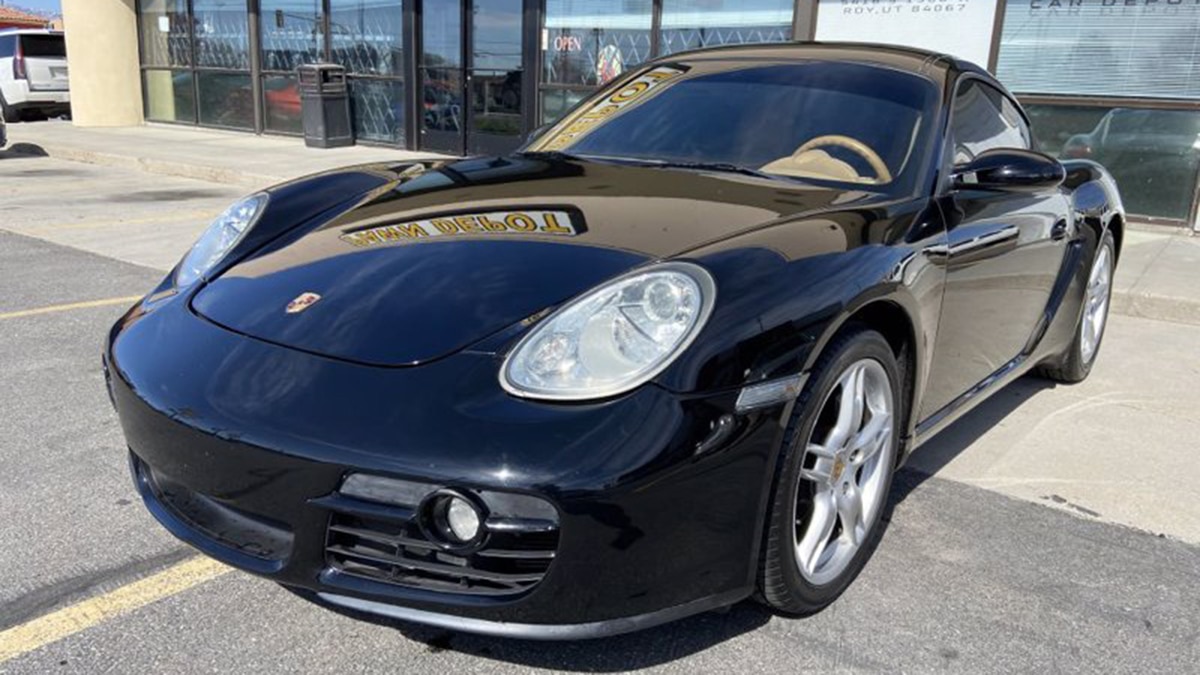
(613, 338)
(226, 231)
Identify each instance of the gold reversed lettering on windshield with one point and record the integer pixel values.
(637, 89)
(556, 223)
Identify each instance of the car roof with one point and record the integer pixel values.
(918, 61)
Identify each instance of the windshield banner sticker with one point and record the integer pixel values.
(557, 223)
(637, 89)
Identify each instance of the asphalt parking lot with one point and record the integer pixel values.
(968, 578)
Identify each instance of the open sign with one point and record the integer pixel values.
(568, 43)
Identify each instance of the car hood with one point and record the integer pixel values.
(450, 253)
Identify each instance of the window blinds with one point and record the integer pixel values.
(1125, 48)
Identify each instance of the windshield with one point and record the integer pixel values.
(831, 121)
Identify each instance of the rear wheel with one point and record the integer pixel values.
(1076, 364)
(10, 114)
(835, 474)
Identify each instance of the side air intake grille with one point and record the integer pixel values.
(386, 543)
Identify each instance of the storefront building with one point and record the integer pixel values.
(1114, 80)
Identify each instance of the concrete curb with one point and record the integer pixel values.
(212, 174)
(1158, 307)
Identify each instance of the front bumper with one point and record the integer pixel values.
(239, 448)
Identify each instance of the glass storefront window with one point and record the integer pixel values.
(281, 104)
(164, 29)
(367, 36)
(441, 76)
(692, 24)
(496, 35)
(169, 96)
(378, 110)
(222, 34)
(441, 32)
(1117, 48)
(589, 42)
(496, 101)
(225, 99)
(1154, 155)
(441, 103)
(496, 62)
(291, 34)
(556, 103)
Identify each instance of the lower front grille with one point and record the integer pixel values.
(385, 543)
(248, 534)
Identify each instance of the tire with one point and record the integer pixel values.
(1076, 364)
(797, 574)
(10, 114)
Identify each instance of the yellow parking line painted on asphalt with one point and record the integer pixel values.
(68, 621)
(124, 300)
(169, 218)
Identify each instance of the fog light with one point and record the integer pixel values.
(452, 519)
(462, 519)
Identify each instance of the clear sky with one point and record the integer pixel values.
(54, 6)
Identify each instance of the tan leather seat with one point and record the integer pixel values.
(813, 164)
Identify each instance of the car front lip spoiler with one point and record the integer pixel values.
(534, 631)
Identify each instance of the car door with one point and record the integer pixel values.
(1003, 252)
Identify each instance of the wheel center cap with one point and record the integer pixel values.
(839, 465)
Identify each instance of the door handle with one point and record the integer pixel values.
(984, 245)
(938, 253)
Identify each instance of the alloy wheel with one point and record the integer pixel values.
(848, 457)
(1095, 307)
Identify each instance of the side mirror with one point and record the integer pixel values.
(1009, 169)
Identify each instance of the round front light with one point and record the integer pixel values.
(613, 338)
(452, 519)
(462, 520)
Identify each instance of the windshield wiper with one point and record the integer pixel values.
(548, 154)
(724, 167)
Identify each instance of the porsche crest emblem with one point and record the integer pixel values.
(302, 302)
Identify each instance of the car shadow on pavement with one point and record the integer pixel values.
(940, 450)
(23, 150)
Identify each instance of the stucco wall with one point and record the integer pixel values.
(106, 89)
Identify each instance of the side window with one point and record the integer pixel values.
(1012, 117)
(8, 45)
(984, 119)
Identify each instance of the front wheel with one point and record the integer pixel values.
(834, 477)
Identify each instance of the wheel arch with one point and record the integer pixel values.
(1116, 225)
(1096, 199)
(894, 318)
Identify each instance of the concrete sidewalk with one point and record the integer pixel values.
(1158, 276)
(205, 154)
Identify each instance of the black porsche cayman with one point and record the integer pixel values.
(665, 358)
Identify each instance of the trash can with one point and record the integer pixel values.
(325, 105)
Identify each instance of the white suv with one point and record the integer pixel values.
(33, 74)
